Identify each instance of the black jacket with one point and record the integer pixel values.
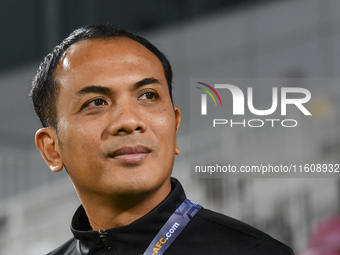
(207, 233)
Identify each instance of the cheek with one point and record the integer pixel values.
(165, 124)
(77, 139)
(80, 151)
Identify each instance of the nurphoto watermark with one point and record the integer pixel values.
(263, 127)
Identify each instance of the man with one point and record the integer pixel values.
(105, 102)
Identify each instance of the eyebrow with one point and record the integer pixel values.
(94, 89)
(105, 90)
(145, 81)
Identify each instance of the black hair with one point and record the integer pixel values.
(44, 92)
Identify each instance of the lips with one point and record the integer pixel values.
(129, 154)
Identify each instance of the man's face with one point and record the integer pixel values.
(116, 123)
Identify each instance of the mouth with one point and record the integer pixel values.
(131, 155)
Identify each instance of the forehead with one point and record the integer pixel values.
(91, 57)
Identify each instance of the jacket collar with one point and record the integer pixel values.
(131, 239)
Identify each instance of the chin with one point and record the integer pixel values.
(141, 185)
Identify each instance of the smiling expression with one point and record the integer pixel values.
(116, 123)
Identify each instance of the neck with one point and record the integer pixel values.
(121, 210)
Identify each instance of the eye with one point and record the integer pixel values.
(148, 96)
(95, 103)
(98, 102)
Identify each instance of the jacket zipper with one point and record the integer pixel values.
(103, 237)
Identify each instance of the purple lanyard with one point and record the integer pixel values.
(172, 228)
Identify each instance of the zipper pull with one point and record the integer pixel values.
(103, 237)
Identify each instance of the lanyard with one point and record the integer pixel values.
(172, 228)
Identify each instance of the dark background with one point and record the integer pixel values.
(31, 28)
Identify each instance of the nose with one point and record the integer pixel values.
(126, 120)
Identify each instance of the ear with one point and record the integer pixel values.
(178, 122)
(46, 139)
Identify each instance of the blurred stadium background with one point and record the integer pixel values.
(215, 38)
